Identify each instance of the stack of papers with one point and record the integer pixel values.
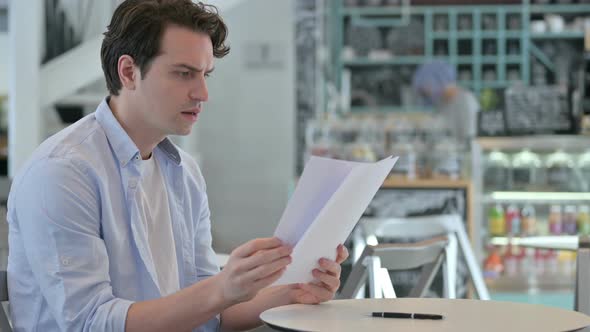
(328, 201)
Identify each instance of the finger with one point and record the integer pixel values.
(319, 292)
(331, 282)
(263, 257)
(330, 266)
(255, 245)
(261, 283)
(265, 270)
(342, 254)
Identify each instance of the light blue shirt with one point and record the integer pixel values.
(79, 255)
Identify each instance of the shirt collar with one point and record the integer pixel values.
(124, 148)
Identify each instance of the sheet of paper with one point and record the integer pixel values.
(330, 198)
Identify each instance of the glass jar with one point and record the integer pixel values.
(497, 171)
(447, 159)
(561, 172)
(584, 169)
(526, 170)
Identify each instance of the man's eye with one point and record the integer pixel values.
(184, 74)
(207, 75)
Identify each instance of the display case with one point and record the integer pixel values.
(529, 186)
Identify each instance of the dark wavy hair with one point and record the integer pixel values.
(137, 27)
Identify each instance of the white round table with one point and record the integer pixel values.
(459, 315)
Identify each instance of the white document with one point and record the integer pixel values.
(328, 201)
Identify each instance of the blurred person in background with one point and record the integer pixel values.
(436, 84)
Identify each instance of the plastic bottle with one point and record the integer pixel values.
(493, 266)
(513, 220)
(539, 262)
(555, 220)
(529, 220)
(510, 262)
(570, 225)
(584, 220)
(551, 263)
(496, 220)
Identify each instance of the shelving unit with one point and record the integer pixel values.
(541, 200)
(490, 45)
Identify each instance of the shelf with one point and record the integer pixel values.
(469, 34)
(559, 35)
(494, 84)
(531, 284)
(417, 60)
(387, 109)
(535, 142)
(493, 34)
(510, 59)
(394, 60)
(396, 10)
(400, 183)
(555, 242)
(560, 9)
(536, 197)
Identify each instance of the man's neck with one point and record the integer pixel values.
(134, 126)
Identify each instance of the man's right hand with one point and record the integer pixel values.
(251, 267)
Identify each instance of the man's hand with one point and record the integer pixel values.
(251, 267)
(328, 281)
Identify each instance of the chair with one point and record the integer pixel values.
(4, 322)
(375, 262)
(451, 226)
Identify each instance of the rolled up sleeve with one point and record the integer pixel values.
(57, 205)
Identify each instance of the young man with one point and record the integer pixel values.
(109, 224)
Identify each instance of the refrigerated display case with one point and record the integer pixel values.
(530, 186)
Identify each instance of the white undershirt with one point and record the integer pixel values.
(156, 215)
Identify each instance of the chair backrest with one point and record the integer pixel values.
(409, 227)
(427, 254)
(4, 322)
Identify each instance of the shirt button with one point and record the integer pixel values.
(132, 184)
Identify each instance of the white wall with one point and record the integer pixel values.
(4, 61)
(246, 132)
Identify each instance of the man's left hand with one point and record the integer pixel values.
(327, 281)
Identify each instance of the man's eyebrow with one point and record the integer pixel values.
(191, 68)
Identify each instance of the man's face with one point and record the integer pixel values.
(171, 93)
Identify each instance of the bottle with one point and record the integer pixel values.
(569, 222)
(555, 220)
(513, 220)
(540, 262)
(493, 266)
(551, 263)
(447, 159)
(567, 263)
(510, 262)
(496, 220)
(584, 220)
(529, 220)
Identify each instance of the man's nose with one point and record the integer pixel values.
(199, 91)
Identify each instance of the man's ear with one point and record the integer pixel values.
(126, 71)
